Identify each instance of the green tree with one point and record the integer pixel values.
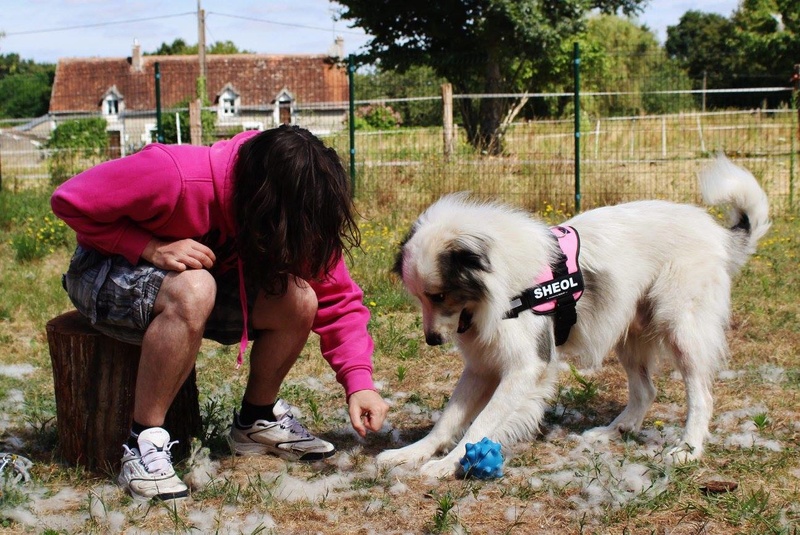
(25, 87)
(623, 62)
(480, 46)
(25, 95)
(226, 47)
(76, 145)
(704, 44)
(417, 81)
(179, 47)
(768, 36)
(759, 45)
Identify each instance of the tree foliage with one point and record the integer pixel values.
(480, 46)
(24, 87)
(416, 81)
(76, 145)
(758, 45)
(624, 63)
(179, 47)
(768, 36)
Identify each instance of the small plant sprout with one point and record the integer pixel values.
(401, 372)
(316, 414)
(761, 421)
(443, 519)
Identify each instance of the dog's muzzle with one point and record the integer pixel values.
(434, 339)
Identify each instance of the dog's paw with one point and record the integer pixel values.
(683, 453)
(440, 468)
(410, 456)
(611, 431)
(601, 434)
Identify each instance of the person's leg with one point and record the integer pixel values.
(283, 324)
(266, 424)
(164, 312)
(169, 350)
(171, 342)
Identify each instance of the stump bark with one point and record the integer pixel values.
(95, 379)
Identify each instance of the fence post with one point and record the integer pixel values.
(196, 122)
(700, 133)
(159, 125)
(576, 59)
(351, 69)
(795, 80)
(794, 102)
(447, 119)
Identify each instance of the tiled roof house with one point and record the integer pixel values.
(246, 91)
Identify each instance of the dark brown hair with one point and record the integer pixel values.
(292, 206)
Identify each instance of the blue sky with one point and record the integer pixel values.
(44, 30)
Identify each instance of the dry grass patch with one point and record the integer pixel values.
(558, 482)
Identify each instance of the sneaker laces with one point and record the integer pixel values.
(158, 460)
(288, 421)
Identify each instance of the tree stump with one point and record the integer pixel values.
(95, 380)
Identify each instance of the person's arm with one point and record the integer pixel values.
(111, 205)
(341, 324)
(178, 255)
(367, 410)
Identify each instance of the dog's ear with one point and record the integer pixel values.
(397, 268)
(470, 252)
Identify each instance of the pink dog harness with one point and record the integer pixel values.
(558, 288)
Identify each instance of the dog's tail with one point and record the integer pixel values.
(724, 183)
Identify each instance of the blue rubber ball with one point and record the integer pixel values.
(483, 460)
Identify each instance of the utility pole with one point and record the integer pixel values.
(201, 39)
(196, 107)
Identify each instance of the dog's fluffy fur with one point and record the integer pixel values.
(657, 284)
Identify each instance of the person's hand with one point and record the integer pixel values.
(179, 255)
(367, 411)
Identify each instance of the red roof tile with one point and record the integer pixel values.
(81, 83)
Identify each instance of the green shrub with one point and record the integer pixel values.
(377, 117)
(36, 238)
(75, 146)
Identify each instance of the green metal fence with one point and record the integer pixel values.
(614, 149)
(576, 146)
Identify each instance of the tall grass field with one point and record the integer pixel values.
(747, 482)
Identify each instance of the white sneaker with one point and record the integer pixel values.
(147, 470)
(287, 438)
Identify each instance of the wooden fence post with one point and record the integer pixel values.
(447, 119)
(195, 122)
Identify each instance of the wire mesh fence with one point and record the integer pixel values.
(638, 139)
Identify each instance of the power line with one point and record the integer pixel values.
(293, 25)
(98, 24)
(192, 13)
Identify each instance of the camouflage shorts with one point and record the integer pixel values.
(118, 297)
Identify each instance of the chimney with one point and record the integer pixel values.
(136, 58)
(336, 50)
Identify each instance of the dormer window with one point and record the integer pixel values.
(284, 107)
(228, 105)
(112, 106)
(111, 103)
(228, 102)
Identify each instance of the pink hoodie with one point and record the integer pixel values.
(184, 191)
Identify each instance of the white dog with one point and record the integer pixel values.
(654, 281)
